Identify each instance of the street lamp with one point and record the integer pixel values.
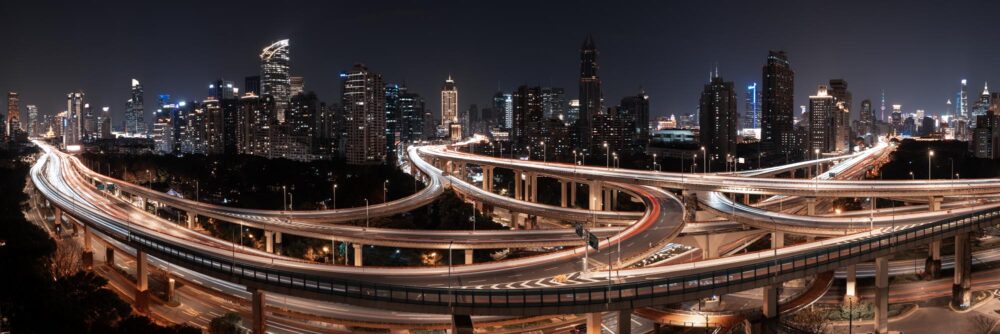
(704, 160)
(817, 161)
(544, 155)
(911, 176)
(284, 198)
(367, 221)
(607, 155)
(930, 155)
(334, 196)
(529, 152)
(654, 163)
(385, 191)
(615, 154)
(952, 163)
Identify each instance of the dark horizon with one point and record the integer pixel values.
(916, 53)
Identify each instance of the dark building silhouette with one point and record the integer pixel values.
(718, 119)
(591, 102)
(778, 106)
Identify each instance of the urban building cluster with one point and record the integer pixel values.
(274, 116)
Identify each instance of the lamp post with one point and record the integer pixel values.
(385, 191)
(817, 161)
(367, 221)
(654, 163)
(615, 154)
(607, 156)
(704, 160)
(930, 155)
(284, 198)
(952, 163)
(529, 152)
(334, 196)
(911, 176)
(544, 153)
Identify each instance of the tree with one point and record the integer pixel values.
(81, 299)
(66, 260)
(229, 323)
(809, 321)
(137, 324)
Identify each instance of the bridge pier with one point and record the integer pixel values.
(572, 193)
(934, 203)
(625, 322)
(257, 303)
(961, 290)
(461, 324)
(109, 257)
(881, 295)
(514, 217)
(88, 250)
(518, 191)
(770, 306)
(268, 241)
(277, 243)
(533, 186)
(709, 244)
(57, 217)
(488, 178)
(562, 193)
(468, 256)
(777, 239)
(811, 206)
(358, 255)
(932, 268)
(594, 323)
(851, 289)
(596, 188)
(191, 219)
(171, 285)
(141, 282)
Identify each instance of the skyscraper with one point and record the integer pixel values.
(135, 123)
(251, 85)
(449, 110)
(364, 104)
(528, 116)
(411, 109)
(841, 115)
(718, 118)
(34, 127)
(867, 122)
(392, 118)
(72, 124)
(296, 86)
(591, 100)
(274, 81)
(104, 123)
(634, 111)
(981, 107)
(822, 107)
(963, 101)
(13, 123)
(751, 111)
(554, 102)
(778, 107)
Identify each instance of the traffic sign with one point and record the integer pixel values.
(579, 230)
(593, 241)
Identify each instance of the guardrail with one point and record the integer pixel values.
(556, 300)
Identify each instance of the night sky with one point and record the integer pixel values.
(917, 53)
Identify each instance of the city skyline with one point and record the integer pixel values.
(671, 75)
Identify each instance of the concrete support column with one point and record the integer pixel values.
(961, 290)
(851, 289)
(596, 188)
(192, 218)
(257, 305)
(518, 191)
(777, 239)
(811, 206)
(358, 252)
(514, 220)
(881, 295)
(932, 268)
(562, 193)
(934, 203)
(171, 285)
(614, 199)
(57, 216)
(594, 323)
(572, 193)
(461, 324)
(277, 243)
(533, 179)
(487, 177)
(88, 250)
(625, 322)
(770, 305)
(268, 241)
(606, 194)
(109, 257)
(468, 256)
(141, 281)
(333, 251)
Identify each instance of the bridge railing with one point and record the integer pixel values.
(569, 296)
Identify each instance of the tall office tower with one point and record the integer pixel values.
(778, 108)
(163, 130)
(226, 94)
(528, 115)
(591, 100)
(411, 109)
(981, 107)
(821, 115)
(896, 118)
(88, 130)
(251, 85)
(469, 120)
(554, 102)
(296, 86)
(74, 115)
(223, 90)
(842, 115)
(634, 111)
(13, 123)
(135, 123)
(214, 126)
(572, 111)
(364, 104)
(295, 137)
(34, 127)
(751, 111)
(393, 115)
(449, 110)
(253, 124)
(104, 123)
(963, 101)
(500, 105)
(274, 62)
(718, 118)
(867, 124)
(194, 140)
(881, 116)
